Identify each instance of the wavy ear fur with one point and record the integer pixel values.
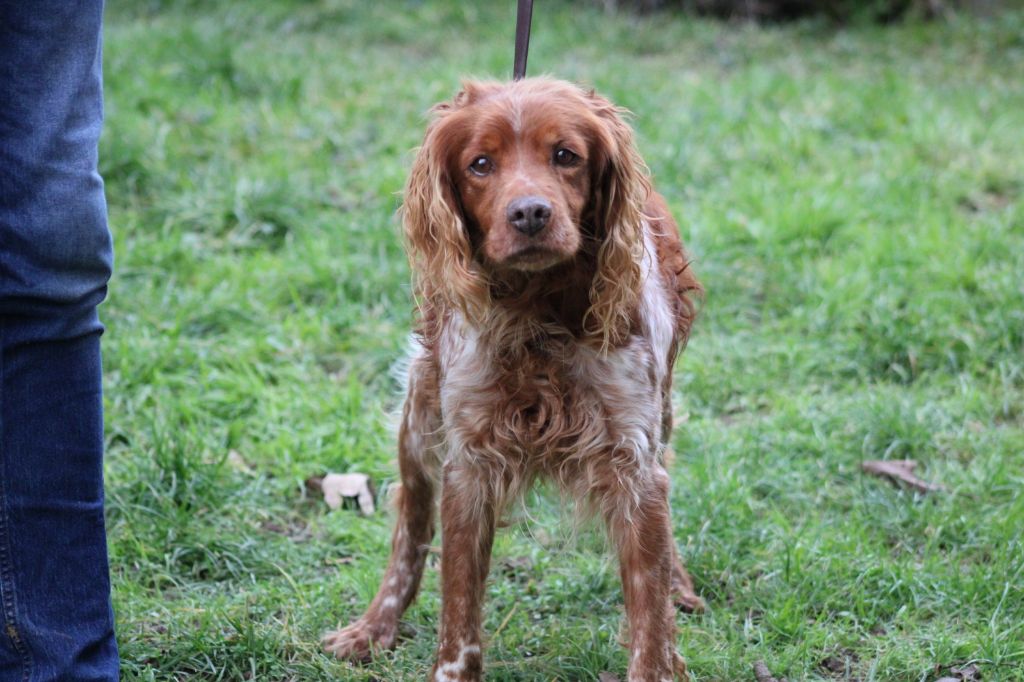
(440, 253)
(620, 192)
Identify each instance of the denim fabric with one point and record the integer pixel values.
(55, 260)
(55, 253)
(58, 623)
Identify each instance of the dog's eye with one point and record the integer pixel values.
(565, 157)
(482, 165)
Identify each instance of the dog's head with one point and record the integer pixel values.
(520, 177)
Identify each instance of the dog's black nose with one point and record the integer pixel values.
(529, 215)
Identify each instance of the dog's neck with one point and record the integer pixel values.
(553, 302)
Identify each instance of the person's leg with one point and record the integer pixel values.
(55, 259)
(58, 623)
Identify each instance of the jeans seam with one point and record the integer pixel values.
(8, 604)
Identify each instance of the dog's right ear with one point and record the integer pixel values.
(440, 253)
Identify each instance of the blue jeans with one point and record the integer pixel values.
(55, 260)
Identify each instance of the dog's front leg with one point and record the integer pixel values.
(640, 524)
(467, 532)
(377, 628)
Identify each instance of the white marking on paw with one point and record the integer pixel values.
(449, 672)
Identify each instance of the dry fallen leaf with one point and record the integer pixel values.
(607, 677)
(971, 671)
(833, 664)
(839, 662)
(338, 486)
(762, 674)
(900, 471)
(967, 673)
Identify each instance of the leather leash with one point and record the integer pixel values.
(523, 17)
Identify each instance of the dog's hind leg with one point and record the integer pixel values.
(683, 594)
(418, 437)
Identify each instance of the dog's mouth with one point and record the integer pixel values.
(533, 258)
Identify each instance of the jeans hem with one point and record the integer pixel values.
(8, 603)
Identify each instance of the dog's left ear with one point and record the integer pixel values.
(620, 190)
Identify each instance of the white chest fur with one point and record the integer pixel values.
(565, 400)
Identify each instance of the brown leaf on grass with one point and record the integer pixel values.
(607, 677)
(336, 487)
(839, 662)
(833, 664)
(762, 674)
(966, 673)
(900, 471)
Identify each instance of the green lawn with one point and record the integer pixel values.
(854, 199)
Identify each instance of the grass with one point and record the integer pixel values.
(855, 202)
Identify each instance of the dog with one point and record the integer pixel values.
(554, 295)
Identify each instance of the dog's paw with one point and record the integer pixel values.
(687, 601)
(679, 667)
(359, 640)
(684, 597)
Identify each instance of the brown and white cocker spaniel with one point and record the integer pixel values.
(553, 295)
